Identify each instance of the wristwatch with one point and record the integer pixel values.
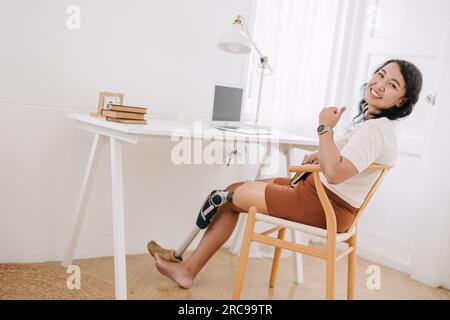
(322, 128)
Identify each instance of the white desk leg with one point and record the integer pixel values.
(120, 273)
(295, 235)
(298, 257)
(86, 185)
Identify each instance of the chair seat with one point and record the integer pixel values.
(319, 232)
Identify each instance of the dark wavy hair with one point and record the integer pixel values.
(413, 79)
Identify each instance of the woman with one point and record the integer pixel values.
(390, 94)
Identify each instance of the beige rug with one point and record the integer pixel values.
(39, 281)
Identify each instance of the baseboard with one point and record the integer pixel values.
(372, 255)
(385, 250)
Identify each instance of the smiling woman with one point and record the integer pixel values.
(392, 91)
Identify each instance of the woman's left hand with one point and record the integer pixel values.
(331, 115)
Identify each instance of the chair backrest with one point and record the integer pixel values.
(384, 168)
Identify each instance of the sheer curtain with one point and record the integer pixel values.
(311, 45)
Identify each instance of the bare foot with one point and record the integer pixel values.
(174, 271)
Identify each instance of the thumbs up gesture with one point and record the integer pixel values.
(331, 115)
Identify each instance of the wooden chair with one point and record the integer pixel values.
(330, 234)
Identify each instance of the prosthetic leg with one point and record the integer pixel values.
(213, 202)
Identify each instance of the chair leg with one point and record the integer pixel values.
(351, 272)
(330, 279)
(331, 268)
(243, 257)
(276, 259)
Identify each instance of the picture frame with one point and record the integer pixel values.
(104, 98)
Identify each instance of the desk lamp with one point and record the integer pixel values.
(239, 41)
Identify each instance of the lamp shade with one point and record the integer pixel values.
(235, 41)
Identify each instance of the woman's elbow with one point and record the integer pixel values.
(338, 177)
(335, 176)
(331, 177)
(328, 173)
(340, 173)
(333, 180)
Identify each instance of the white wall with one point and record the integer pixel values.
(162, 55)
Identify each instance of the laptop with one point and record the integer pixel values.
(227, 109)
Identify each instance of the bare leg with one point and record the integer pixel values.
(245, 195)
(265, 180)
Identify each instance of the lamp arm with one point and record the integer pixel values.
(264, 64)
(247, 33)
(261, 56)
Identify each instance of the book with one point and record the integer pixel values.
(297, 177)
(118, 107)
(129, 121)
(123, 115)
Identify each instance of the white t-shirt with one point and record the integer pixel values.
(372, 141)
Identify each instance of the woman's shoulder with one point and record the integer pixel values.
(382, 123)
(382, 127)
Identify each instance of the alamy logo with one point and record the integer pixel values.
(74, 280)
(74, 19)
(199, 145)
(374, 280)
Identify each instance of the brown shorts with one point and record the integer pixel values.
(301, 203)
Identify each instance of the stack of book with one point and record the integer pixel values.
(125, 114)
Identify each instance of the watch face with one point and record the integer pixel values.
(320, 128)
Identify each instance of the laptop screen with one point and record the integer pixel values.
(227, 103)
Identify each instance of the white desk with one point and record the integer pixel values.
(117, 133)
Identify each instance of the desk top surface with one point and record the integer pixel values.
(164, 127)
